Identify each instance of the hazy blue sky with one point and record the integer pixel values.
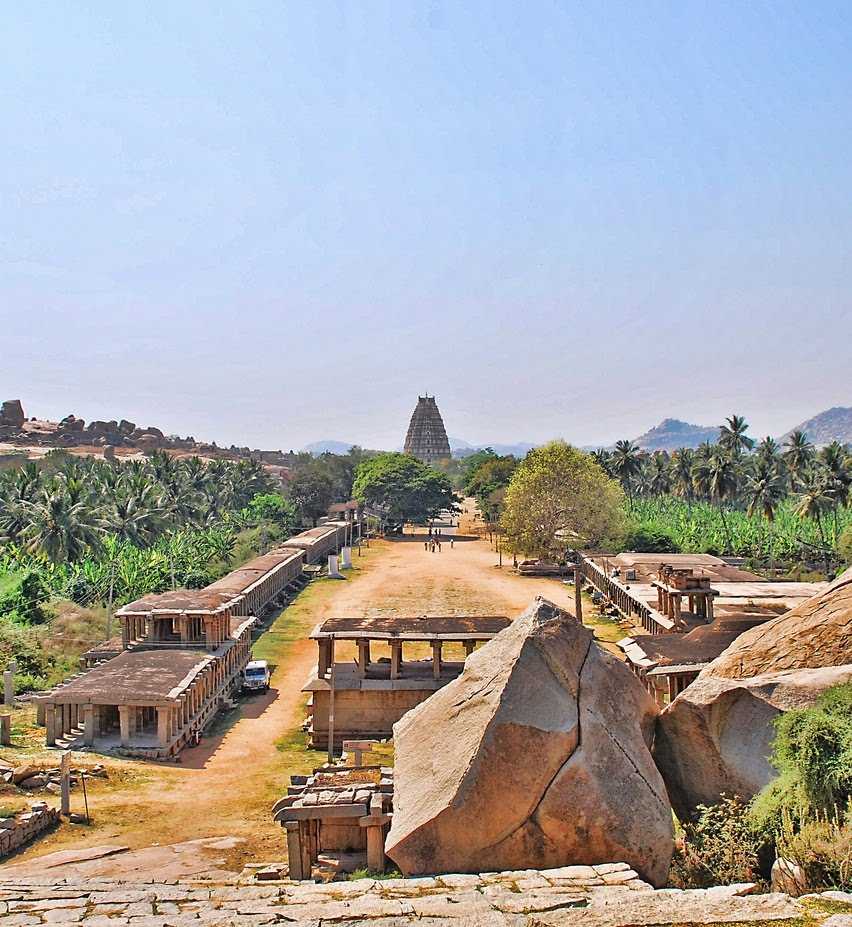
(271, 223)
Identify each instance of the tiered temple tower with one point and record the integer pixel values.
(427, 438)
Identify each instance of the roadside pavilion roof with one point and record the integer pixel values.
(416, 628)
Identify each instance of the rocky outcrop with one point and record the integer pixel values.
(536, 756)
(12, 413)
(816, 633)
(716, 736)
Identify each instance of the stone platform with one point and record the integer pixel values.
(600, 896)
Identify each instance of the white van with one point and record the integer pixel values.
(256, 676)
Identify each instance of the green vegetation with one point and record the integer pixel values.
(804, 815)
(739, 497)
(100, 533)
(486, 477)
(560, 498)
(402, 489)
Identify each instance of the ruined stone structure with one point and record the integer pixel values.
(427, 438)
(371, 695)
(180, 657)
(344, 809)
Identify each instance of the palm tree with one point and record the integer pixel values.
(659, 474)
(60, 527)
(816, 499)
(717, 477)
(134, 516)
(800, 452)
(733, 437)
(626, 465)
(765, 488)
(680, 466)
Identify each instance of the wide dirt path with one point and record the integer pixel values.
(227, 785)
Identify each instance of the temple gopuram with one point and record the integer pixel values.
(427, 438)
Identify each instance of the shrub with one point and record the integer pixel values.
(721, 846)
(813, 754)
(651, 540)
(844, 544)
(822, 848)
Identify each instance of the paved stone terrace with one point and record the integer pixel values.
(601, 896)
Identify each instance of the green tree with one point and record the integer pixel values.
(272, 507)
(733, 437)
(800, 452)
(626, 465)
(560, 498)
(402, 488)
(311, 490)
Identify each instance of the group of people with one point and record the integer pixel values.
(433, 542)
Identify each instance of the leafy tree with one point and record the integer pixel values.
(560, 498)
(402, 488)
(271, 507)
(311, 490)
(487, 482)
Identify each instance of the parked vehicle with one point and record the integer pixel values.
(256, 676)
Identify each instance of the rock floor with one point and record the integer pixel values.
(594, 896)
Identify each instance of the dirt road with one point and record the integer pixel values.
(227, 785)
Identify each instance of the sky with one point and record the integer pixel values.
(270, 223)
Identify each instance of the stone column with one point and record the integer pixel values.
(89, 725)
(163, 725)
(323, 665)
(124, 724)
(363, 657)
(469, 647)
(50, 724)
(436, 659)
(396, 659)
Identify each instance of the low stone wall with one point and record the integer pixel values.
(585, 896)
(16, 831)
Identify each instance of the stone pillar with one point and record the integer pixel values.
(346, 557)
(124, 724)
(323, 666)
(376, 848)
(294, 850)
(436, 659)
(89, 725)
(396, 659)
(709, 614)
(333, 571)
(578, 594)
(9, 685)
(363, 657)
(6, 730)
(163, 725)
(40, 713)
(50, 724)
(469, 647)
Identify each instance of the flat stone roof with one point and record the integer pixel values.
(647, 566)
(134, 677)
(178, 600)
(386, 627)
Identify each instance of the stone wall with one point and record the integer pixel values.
(16, 831)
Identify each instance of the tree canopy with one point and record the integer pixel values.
(402, 488)
(560, 498)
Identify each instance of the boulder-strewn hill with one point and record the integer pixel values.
(832, 425)
(672, 433)
(329, 447)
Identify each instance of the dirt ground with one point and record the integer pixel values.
(226, 786)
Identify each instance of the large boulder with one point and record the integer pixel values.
(537, 756)
(716, 736)
(12, 413)
(816, 633)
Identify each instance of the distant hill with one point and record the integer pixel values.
(463, 449)
(672, 433)
(832, 425)
(328, 447)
